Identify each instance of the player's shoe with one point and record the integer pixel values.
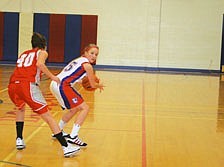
(70, 151)
(64, 134)
(20, 144)
(76, 140)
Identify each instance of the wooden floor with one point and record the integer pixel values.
(141, 119)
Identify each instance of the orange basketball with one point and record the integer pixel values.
(86, 84)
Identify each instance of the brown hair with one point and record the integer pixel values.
(38, 40)
(88, 47)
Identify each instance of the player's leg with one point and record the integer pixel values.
(84, 109)
(13, 91)
(54, 88)
(68, 150)
(67, 116)
(73, 101)
(37, 102)
(70, 99)
(20, 114)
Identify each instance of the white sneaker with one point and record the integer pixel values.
(70, 151)
(20, 144)
(76, 140)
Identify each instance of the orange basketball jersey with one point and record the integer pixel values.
(26, 69)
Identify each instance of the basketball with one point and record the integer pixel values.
(86, 84)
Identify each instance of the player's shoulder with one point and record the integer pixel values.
(81, 60)
(31, 51)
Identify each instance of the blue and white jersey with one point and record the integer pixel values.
(66, 95)
(73, 72)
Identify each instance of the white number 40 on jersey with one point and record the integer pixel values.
(25, 60)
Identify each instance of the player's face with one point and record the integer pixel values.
(92, 54)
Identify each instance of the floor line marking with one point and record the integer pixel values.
(144, 158)
(12, 163)
(3, 90)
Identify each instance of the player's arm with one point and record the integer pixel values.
(91, 76)
(41, 65)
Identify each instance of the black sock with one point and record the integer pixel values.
(19, 129)
(61, 139)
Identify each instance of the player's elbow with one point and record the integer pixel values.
(40, 65)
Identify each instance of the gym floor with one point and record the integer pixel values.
(141, 119)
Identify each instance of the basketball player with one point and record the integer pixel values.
(69, 98)
(24, 89)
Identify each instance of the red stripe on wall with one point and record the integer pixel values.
(56, 38)
(1, 34)
(89, 30)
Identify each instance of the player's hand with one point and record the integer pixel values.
(101, 87)
(56, 79)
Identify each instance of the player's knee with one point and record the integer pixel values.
(86, 108)
(22, 109)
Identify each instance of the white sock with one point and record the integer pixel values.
(75, 130)
(62, 124)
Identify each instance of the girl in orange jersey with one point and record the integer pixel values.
(24, 89)
(69, 98)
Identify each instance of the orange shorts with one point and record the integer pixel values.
(23, 92)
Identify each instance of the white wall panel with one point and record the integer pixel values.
(147, 33)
